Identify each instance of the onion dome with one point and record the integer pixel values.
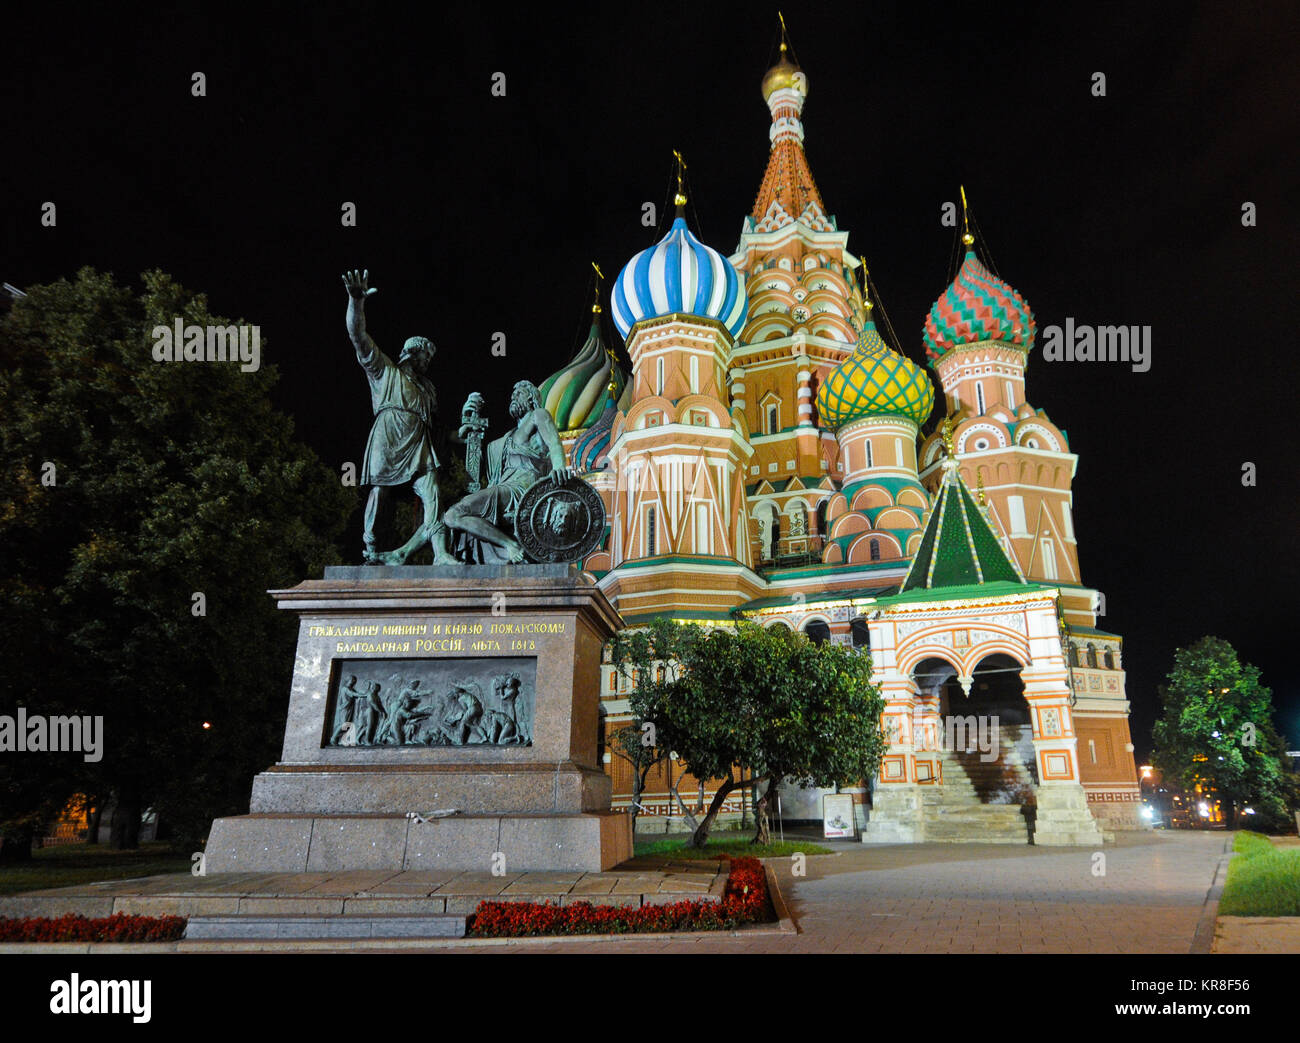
(977, 306)
(589, 451)
(679, 275)
(874, 381)
(784, 75)
(575, 395)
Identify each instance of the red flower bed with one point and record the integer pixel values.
(744, 901)
(75, 928)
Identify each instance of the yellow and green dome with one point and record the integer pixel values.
(875, 380)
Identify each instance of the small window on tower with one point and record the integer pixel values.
(773, 420)
(1049, 562)
(650, 532)
(979, 396)
(1109, 659)
(875, 550)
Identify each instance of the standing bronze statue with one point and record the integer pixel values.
(400, 449)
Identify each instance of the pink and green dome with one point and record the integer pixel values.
(977, 306)
(874, 381)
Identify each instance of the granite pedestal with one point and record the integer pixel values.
(408, 801)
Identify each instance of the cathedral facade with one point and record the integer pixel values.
(771, 456)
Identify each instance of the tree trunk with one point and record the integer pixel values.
(701, 835)
(92, 823)
(761, 810)
(1229, 815)
(681, 804)
(16, 845)
(125, 832)
(638, 788)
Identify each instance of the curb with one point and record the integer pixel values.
(1203, 939)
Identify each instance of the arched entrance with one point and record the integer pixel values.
(989, 734)
(975, 733)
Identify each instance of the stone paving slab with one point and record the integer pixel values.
(331, 927)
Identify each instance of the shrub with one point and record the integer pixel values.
(744, 900)
(76, 928)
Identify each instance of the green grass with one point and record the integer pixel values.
(675, 847)
(1262, 880)
(70, 864)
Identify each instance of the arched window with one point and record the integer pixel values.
(861, 634)
(1092, 656)
(875, 550)
(1074, 656)
(818, 632)
(1109, 659)
(773, 419)
(821, 518)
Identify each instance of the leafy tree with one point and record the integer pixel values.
(766, 698)
(169, 480)
(1217, 730)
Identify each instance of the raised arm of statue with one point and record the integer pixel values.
(357, 284)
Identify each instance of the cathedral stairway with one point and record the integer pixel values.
(981, 802)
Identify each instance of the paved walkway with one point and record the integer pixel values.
(1153, 893)
(977, 898)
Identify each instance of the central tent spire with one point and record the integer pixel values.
(788, 188)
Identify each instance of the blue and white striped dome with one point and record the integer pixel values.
(679, 274)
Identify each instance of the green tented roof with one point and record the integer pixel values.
(959, 547)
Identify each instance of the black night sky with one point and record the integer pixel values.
(479, 214)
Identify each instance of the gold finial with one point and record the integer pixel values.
(966, 237)
(979, 483)
(680, 198)
(950, 453)
(600, 276)
(866, 290)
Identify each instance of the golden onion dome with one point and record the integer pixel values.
(783, 75)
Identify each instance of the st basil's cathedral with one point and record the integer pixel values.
(774, 456)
